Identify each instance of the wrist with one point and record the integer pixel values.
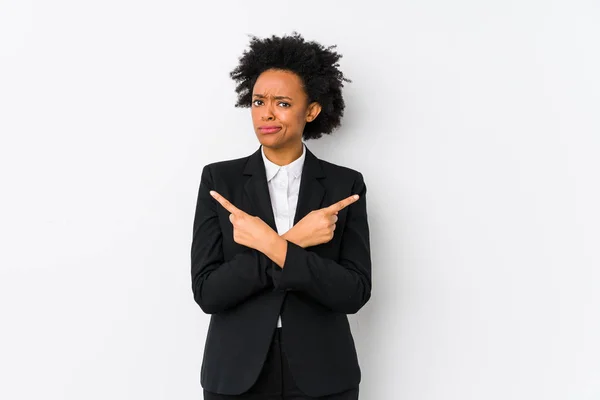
(270, 240)
(290, 236)
(276, 249)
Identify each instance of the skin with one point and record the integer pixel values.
(279, 98)
(315, 228)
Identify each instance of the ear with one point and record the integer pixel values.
(312, 111)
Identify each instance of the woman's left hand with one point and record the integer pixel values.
(248, 230)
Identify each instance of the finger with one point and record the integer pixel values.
(225, 203)
(234, 219)
(340, 205)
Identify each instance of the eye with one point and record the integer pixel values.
(286, 104)
(254, 102)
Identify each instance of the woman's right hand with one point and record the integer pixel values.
(317, 226)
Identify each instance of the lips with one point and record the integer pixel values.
(269, 129)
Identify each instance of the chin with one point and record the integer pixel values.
(267, 141)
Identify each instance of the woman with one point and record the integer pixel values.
(280, 250)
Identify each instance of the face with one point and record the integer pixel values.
(280, 109)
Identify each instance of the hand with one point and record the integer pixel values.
(248, 230)
(317, 226)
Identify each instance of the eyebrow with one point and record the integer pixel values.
(275, 97)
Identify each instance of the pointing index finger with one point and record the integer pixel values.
(340, 205)
(224, 202)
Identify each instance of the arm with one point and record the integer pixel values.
(342, 287)
(219, 285)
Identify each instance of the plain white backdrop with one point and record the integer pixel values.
(475, 124)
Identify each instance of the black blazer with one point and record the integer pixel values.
(245, 291)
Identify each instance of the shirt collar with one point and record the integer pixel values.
(295, 167)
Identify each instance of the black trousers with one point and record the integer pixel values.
(275, 381)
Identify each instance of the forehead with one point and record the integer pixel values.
(278, 82)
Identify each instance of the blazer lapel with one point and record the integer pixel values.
(312, 191)
(310, 197)
(257, 190)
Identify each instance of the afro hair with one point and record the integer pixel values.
(316, 65)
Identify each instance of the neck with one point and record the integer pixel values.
(284, 156)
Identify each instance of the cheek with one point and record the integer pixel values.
(256, 116)
(292, 117)
(301, 118)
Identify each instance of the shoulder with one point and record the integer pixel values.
(226, 167)
(344, 181)
(341, 172)
(341, 176)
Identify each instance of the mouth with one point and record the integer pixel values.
(269, 129)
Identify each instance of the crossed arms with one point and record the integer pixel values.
(343, 286)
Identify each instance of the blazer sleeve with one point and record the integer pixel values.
(218, 284)
(343, 286)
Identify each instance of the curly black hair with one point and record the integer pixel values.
(316, 65)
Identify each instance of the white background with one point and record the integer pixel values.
(476, 126)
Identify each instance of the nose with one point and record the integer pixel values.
(267, 114)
